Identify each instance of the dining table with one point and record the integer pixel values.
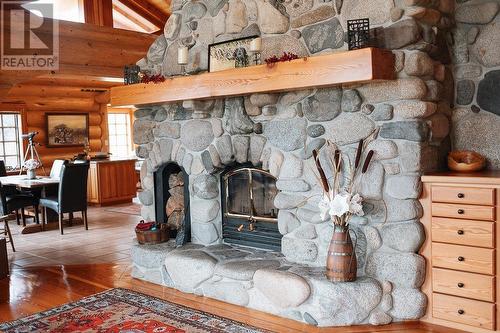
(40, 183)
(22, 182)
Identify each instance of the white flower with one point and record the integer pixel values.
(31, 164)
(340, 204)
(356, 205)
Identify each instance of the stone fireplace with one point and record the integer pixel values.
(255, 236)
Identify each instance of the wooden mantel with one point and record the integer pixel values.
(313, 72)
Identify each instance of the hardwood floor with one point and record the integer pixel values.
(81, 263)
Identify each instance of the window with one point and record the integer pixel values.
(10, 148)
(120, 142)
(67, 10)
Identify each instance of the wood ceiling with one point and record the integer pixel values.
(146, 15)
(92, 55)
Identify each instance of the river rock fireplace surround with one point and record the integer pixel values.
(276, 134)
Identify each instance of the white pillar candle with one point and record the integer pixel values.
(256, 45)
(182, 55)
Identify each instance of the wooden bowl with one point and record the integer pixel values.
(465, 161)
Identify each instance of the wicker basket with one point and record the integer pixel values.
(465, 161)
(148, 237)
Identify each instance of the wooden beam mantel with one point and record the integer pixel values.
(313, 72)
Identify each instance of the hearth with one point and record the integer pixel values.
(249, 215)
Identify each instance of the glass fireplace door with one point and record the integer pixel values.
(250, 217)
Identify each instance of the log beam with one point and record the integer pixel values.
(98, 12)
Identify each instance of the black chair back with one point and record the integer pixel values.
(3, 199)
(3, 170)
(73, 188)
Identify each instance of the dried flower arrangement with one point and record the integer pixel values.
(31, 164)
(340, 199)
(287, 56)
(341, 202)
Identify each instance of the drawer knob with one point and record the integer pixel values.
(461, 312)
(460, 232)
(460, 285)
(461, 258)
(461, 211)
(461, 195)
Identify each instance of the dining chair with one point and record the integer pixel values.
(11, 189)
(6, 230)
(15, 201)
(72, 195)
(55, 171)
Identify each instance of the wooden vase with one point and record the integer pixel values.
(341, 263)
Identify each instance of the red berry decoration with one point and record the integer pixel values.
(152, 78)
(287, 56)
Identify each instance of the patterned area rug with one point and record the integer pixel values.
(125, 311)
(131, 209)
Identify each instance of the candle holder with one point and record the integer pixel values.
(183, 58)
(183, 70)
(257, 58)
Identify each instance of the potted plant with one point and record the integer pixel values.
(31, 165)
(341, 202)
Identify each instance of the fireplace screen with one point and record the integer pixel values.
(250, 217)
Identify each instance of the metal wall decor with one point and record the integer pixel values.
(358, 33)
(229, 54)
(131, 74)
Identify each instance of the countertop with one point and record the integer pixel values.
(113, 160)
(489, 177)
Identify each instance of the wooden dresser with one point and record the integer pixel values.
(460, 219)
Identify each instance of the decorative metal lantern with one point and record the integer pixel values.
(131, 74)
(358, 33)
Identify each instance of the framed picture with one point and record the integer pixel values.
(229, 54)
(67, 129)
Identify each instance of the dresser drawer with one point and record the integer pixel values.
(463, 211)
(463, 258)
(465, 311)
(463, 232)
(470, 285)
(466, 195)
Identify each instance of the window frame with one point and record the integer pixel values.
(19, 130)
(129, 113)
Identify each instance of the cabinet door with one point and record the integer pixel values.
(93, 185)
(117, 181)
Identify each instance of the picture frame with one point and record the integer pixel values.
(221, 55)
(67, 129)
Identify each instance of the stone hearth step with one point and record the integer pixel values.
(266, 281)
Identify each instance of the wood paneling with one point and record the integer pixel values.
(99, 12)
(34, 120)
(90, 53)
(149, 11)
(312, 72)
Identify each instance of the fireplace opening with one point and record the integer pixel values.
(172, 201)
(249, 215)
